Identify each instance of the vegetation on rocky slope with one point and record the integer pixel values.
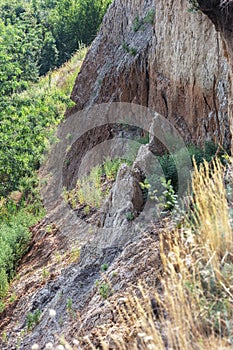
(190, 305)
(28, 121)
(187, 302)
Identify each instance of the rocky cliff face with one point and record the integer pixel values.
(221, 14)
(172, 62)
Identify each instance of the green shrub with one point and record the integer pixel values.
(169, 167)
(14, 237)
(3, 283)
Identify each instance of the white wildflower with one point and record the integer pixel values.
(35, 347)
(52, 313)
(60, 347)
(76, 342)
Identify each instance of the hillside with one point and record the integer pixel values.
(116, 205)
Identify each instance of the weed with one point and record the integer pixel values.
(86, 210)
(130, 216)
(2, 306)
(125, 46)
(74, 254)
(139, 24)
(13, 297)
(33, 319)
(49, 228)
(69, 307)
(92, 189)
(69, 304)
(168, 198)
(131, 50)
(45, 273)
(4, 336)
(193, 6)
(149, 17)
(58, 257)
(104, 290)
(104, 267)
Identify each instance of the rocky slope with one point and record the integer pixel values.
(152, 53)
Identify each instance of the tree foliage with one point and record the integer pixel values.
(47, 32)
(35, 37)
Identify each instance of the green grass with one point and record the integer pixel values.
(139, 23)
(93, 188)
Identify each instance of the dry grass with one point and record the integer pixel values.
(193, 309)
(64, 76)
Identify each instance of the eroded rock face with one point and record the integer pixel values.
(126, 198)
(173, 63)
(221, 14)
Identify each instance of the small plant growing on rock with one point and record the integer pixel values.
(32, 319)
(104, 267)
(69, 304)
(169, 196)
(92, 189)
(86, 210)
(4, 337)
(193, 6)
(131, 50)
(45, 273)
(104, 290)
(136, 24)
(69, 307)
(130, 216)
(139, 24)
(149, 17)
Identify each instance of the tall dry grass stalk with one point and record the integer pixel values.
(211, 212)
